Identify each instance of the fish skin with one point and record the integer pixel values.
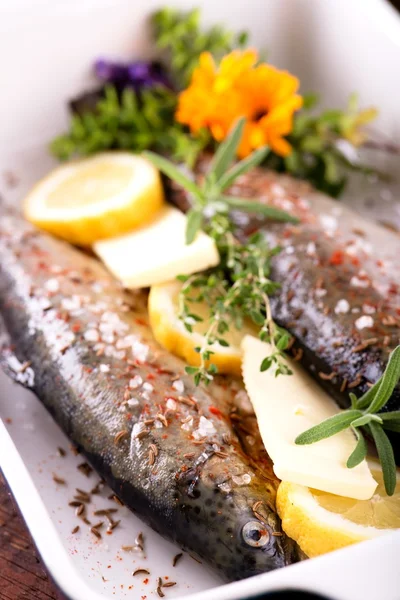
(53, 300)
(312, 282)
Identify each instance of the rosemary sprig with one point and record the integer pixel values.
(364, 416)
(239, 288)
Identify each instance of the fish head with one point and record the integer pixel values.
(235, 523)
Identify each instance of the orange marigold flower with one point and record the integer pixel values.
(218, 96)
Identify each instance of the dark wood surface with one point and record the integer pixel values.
(22, 575)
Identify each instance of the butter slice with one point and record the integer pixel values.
(287, 405)
(157, 252)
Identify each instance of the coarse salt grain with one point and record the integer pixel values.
(104, 368)
(135, 382)
(179, 386)
(368, 309)
(244, 479)
(205, 429)
(171, 404)
(147, 387)
(357, 282)
(52, 285)
(320, 292)
(342, 307)
(91, 335)
(364, 321)
(311, 249)
(188, 425)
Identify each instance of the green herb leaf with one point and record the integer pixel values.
(365, 419)
(194, 222)
(328, 428)
(388, 382)
(169, 169)
(242, 167)
(386, 457)
(226, 151)
(393, 415)
(392, 426)
(257, 207)
(360, 451)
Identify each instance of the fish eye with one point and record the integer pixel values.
(255, 534)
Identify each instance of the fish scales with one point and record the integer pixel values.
(340, 282)
(94, 364)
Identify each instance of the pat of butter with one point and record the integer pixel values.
(287, 405)
(157, 252)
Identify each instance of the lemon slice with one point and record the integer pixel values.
(96, 198)
(170, 332)
(320, 522)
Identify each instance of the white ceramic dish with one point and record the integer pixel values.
(335, 46)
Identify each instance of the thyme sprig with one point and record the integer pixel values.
(239, 288)
(364, 416)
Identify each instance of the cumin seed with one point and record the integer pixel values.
(139, 541)
(74, 503)
(141, 572)
(221, 454)
(176, 559)
(61, 452)
(189, 455)
(154, 448)
(120, 436)
(25, 365)
(148, 422)
(82, 499)
(85, 468)
(113, 525)
(386, 340)
(86, 521)
(169, 584)
(127, 548)
(116, 499)
(327, 376)
(355, 383)
(98, 525)
(257, 505)
(162, 418)
(59, 480)
(159, 586)
(75, 529)
(365, 344)
(152, 458)
(79, 510)
(105, 511)
(344, 385)
(277, 534)
(95, 532)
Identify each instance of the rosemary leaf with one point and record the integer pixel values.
(242, 167)
(386, 457)
(257, 207)
(329, 427)
(227, 150)
(388, 382)
(194, 222)
(173, 172)
(360, 451)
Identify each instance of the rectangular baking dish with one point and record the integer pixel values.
(46, 49)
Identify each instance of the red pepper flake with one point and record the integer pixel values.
(150, 376)
(337, 258)
(145, 581)
(355, 261)
(76, 327)
(141, 322)
(215, 411)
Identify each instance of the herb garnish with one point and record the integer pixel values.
(240, 286)
(364, 416)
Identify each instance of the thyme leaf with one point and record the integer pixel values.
(239, 288)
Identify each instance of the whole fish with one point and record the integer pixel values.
(166, 447)
(340, 282)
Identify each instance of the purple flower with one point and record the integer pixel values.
(137, 74)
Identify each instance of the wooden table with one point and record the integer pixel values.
(22, 575)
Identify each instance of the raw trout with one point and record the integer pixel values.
(165, 447)
(339, 276)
